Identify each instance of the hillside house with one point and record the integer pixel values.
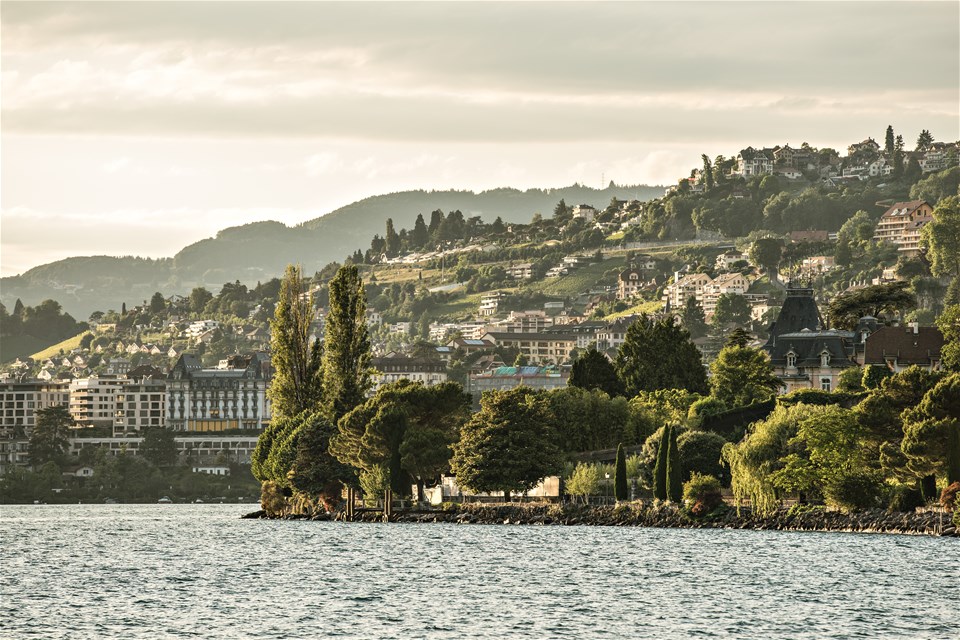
(900, 225)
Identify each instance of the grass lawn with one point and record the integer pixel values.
(580, 280)
(650, 307)
(66, 345)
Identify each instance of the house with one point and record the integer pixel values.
(490, 303)
(690, 285)
(900, 347)
(213, 400)
(754, 162)
(174, 352)
(523, 322)
(900, 225)
(614, 334)
(538, 348)
(629, 283)
(789, 173)
(584, 212)
(725, 283)
(726, 260)
(803, 354)
(199, 327)
(574, 261)
(394, 367)
(212, 469)
(867, 146)
(117, 366)
(523, 271)
(816, 265)
(468, 346)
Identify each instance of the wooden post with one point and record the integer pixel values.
(350, 505)
(387, 504)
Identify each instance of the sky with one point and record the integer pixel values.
(137, 128)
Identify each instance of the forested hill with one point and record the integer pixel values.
(260, 251)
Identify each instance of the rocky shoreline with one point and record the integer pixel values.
(640, 514)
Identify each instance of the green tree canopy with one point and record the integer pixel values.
(931, 431)
(766, 253)
(742, 376)
(507, 446)
(846, 309)
(159, 446)
(941, 237)
(658, 354)
(346, 354)
(593, 370)
(48, 438)
(732, 308)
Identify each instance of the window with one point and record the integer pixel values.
(791, 359)
(825, 384)
(825, 358)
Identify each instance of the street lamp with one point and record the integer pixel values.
(607, 488)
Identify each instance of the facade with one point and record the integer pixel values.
(522, 271)
(754, 162)
(727, 259)
(215, 400)
(584, 212)
(139, 405)
(93, 400)
(538, 348)
(693, 284)
(205, 448)
(490, 303)
(393, 367)
(900, 347)
(900, 225)
(19, 402)
(502, 378)
(614, 334)
(803, 354)
(629, 283)
(723, 284)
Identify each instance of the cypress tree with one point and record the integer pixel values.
(660, 469)
(18, 308)
(346, 353)
(889, 141)
(620, 475)
(674, 479)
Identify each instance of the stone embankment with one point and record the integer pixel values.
(640, 514)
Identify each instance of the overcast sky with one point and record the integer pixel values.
(137, 128)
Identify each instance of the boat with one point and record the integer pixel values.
(198, 501)
(165, 500)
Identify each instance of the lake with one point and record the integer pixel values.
(182, 571)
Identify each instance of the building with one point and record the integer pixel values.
(523, 322)
(502, 378)
(900, 347)
(394, 367)
(585, 331)
(804, 355)
(522, 271)
(205, 449)
(538, 348)
(490, 303)
(815, 265)
(469, 345)
(93, 400)
(140, 404)
(900, 225)
(19, 402)
(235, 397)
(584, 212)
(690, 285)
(630, 283)
(614, 334)
(754, 162)
(727, 259)
(725, 283)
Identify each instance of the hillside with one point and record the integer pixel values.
(259, 251)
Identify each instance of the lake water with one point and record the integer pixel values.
(198, 571)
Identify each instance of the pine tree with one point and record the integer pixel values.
(393, 240)
(888, 146)
(561, 210)
(298, 376)
(346, 354)
(660, 468)
(620, 475)
(123, 308)
(924, 140)
(898, 157)
(707, 172)
(436, 219)
(674, 479)
(420, 235)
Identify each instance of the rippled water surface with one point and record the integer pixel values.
(171, 571)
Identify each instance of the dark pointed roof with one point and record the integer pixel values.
(799, 312)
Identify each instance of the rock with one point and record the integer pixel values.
(255, 515)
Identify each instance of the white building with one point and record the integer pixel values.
(93, 400)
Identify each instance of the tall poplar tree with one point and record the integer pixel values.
(420, 235)
(620, 475)
(888, 146)
(660, 468)
(297, 363)
(674, 479)
(393, 240)
(346, 353)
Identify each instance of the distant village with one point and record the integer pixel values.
(206, 377)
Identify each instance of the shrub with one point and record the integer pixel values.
(700, 453)
(949, 496)
(703, 492)
(854, 491)
(374, 482)
(272, 499)
(584, 481)
(905, 498)
(808, 396)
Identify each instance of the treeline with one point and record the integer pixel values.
(26, 329)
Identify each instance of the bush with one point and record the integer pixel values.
(906, 499)
(850, 379)
(854, 491)
(950, 496)
(272, 499)
(708, 406)
(703, 492)
(700, 453)
(584, 481)
(809, 396)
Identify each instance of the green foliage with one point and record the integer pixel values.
(374, 481)
(700, 452)
(298, 377)
(593, 370)
(159, 446)
(766, 252)
(874, 375)
(660, 468)
(703, 493)
(508, 445)
(693, 318)
(810, 396)
(949, 325)
(850, 380)
(732, 308)
(48, 438)
(941, 237)
(658, 354)
(674, 475)
(620, 475)
(314, 471)
(931, 431)
(937, 186)
(588, 420)
(33, 328)
(742, 376)
(346, 354)
(846, 309)
(650, 410)
(584, 481)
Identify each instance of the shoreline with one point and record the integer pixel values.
(662, 516)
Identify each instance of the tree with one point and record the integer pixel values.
(620, 475)
(693, 318)
(507, 446)
(941, 237)
(561, 211)
(949, 325)
(584, 481)
(742, 376)
(937, 186)
(707, 172)
(732, 308)
(898, 158)
(199, 298)
(296, 354)
(159, 447)
(846, 309)
(157, 303)
(346, 354)
(48, 438)
(18, 308)
(766, 253)
(700, 453)
(674, 478)
(420, 234)
(924, 140)
(393, 240)
(86, 341)
(931, 431)
(593, 370)
(314, 471)
(739, 337)
(889, 141)
(658, 354)
(436, 219)
(660, 468)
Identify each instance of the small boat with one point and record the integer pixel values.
(198, 501)
(164, 500)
